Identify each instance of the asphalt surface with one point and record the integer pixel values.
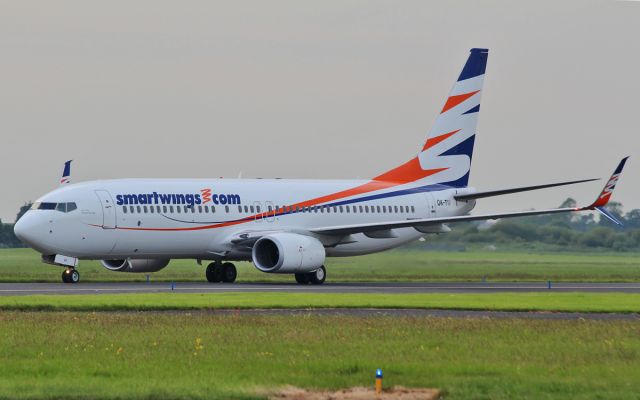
(12, 289)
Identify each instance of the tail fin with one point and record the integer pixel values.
(66, 173)
(445, 157)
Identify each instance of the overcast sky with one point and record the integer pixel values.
(324, 89)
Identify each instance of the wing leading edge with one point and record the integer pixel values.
(598, 205)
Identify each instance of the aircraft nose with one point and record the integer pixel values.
(21, 228)
(28, 229)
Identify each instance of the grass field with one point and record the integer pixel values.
(566, 302)
(204, 355)
(20, 265)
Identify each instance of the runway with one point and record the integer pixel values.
(13, 289)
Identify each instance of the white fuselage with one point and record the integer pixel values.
(200, 219)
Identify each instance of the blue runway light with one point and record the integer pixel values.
(378, 381)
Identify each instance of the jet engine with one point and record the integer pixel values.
(138, 265)
(288, 253)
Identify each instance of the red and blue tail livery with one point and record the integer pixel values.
(66, 173)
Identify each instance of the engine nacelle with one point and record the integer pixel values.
(141, 265)
(288, 253)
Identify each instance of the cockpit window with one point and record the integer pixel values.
(62, 207)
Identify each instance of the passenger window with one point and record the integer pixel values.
(193, 209)
(131, 209)
(213, 209)
(360, 207)
(226, 209)
(145, 209)
(124, 209)
(61, 207)
(347, 208)
(413, 209)
(151, 209)
(178, 209)
(139, 209)
(164, 209)
(240, 209)
(246, 209)
(158, 210)
(206, 209)
(366, 209)
(252, 209)
(257, 208)
(395, 209)
(200, 209)
(378, 208)
(186, 209)
(384, 209)
(171, 209)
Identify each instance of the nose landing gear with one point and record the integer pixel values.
(219, 272)
(70, 275)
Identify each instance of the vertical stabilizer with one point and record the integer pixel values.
(445, 157)
(66, 173)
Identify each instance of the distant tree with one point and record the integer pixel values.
(632, 219)
(25, 207)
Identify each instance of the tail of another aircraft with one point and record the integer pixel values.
(445, 157)
(66, 173)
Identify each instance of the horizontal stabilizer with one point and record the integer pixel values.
(481, 195)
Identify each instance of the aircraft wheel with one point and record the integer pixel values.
(214, 272)
(70, 275)
(318, 276)
(229, 273)
(302, 279)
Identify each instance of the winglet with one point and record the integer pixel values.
(66, 173)
(606, 193)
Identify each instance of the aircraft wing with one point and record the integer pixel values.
(491, 193)
(598, 205)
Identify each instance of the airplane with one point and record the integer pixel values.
(283, 226)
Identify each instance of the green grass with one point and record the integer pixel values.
(23, 265)
(568, 302)
(210, 356)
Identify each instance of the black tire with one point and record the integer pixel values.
(302, 279)
(229, 273)
(70, 275)
(74, 276)
(214, 273)
(318, 276)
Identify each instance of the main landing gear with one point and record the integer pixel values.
(219, 272)
(70, 275)
(316, 277)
